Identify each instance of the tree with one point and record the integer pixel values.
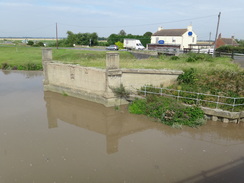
(81, 39)
(120, 45)
(240, 42)
(148, 34)
(122, 33)
(71, 39)
(30, 43)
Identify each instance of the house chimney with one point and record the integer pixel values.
(160, 28)
(233, 37)
(219, 36)
(189, 28)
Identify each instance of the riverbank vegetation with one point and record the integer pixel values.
(168, 111)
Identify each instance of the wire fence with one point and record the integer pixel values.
(202, 99)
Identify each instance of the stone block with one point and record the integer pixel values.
(214, 118)
(233, 121)
(225, 120)
(112, 60)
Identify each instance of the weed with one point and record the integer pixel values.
(64, 94)
(116, 107)
(174, 58)
(120, 91)
(177, 126)
(5, 66)
(189, 76)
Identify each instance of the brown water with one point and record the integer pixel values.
(50, 138)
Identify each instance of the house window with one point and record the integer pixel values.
(157, 39)
(193, 39)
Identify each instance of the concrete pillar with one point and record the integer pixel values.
(47, 54)
(112, 60)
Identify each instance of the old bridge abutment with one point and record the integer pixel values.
(94, 84)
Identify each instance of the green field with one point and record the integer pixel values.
(30, 58)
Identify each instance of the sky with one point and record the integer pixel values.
(38, 18)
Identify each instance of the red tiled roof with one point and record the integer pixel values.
(230, 41)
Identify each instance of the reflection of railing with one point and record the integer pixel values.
(206, 100)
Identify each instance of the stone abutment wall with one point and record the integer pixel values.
(95, 84)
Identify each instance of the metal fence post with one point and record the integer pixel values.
(197, 102)
(178, 95)
(217, 103)
(233, 105)
(145, 91)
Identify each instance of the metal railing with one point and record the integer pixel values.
(202, 99)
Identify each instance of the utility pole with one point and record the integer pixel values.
(57, 35)
(217, 30)
(210, 38)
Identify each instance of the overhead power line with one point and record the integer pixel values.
(138, 25)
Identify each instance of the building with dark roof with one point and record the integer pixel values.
(182, 37)
(225, 41)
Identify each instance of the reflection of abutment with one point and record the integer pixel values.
(93, 117)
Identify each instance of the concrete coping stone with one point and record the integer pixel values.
(222, 113)
(152, 71)
(77, 65)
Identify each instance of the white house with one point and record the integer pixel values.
(182, 37)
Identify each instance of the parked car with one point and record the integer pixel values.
(112, 47)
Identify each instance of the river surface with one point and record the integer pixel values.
(46, 137)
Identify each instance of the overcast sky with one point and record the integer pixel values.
(38, 18)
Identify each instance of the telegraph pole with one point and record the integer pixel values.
(57, 35)
(217, 30)
(210, 38)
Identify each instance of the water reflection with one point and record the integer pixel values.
(94, 117)
(117, 124)
(27, 74)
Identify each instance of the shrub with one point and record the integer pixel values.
(102, 43)
(120, 45)
(191, 59)
(121, 92)
(40, 44)
(30, 43)
(188, 77)
(174, 58)
(168, 111)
